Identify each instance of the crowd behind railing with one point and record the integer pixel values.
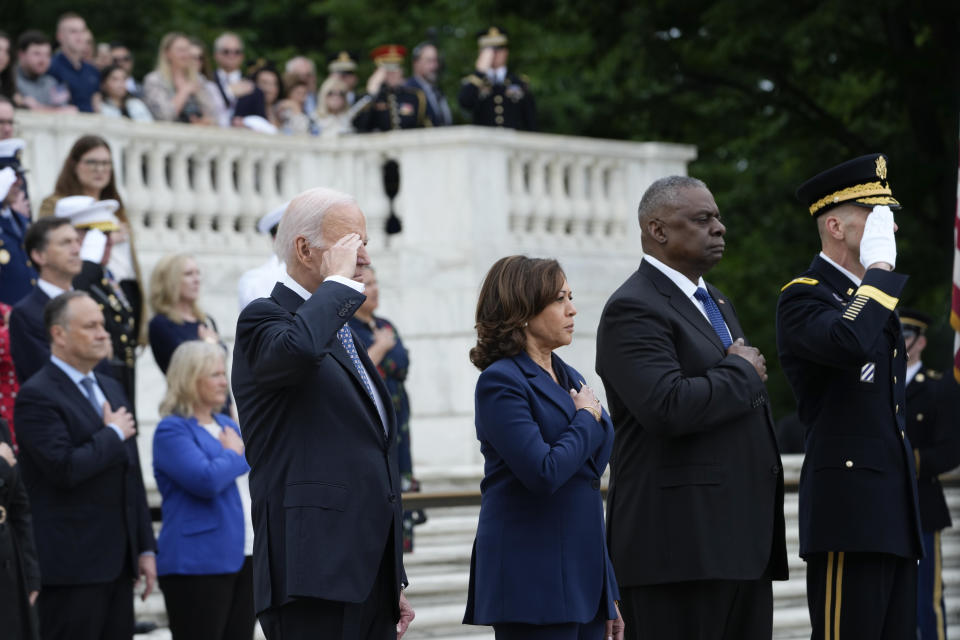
(187, 86)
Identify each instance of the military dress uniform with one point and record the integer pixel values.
(17, 275)
(842, 350)
(393, 108)
(119, 321)
(933, 432)
(498, 98)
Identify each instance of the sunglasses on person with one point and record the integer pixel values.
(119, 59)
(231, 52)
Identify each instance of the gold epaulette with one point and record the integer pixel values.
(809, 281)
(473, 79)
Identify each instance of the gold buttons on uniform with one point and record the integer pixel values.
(498, 109)
(919, 417)
(894, 353)
(894, 379)
(848, 464)
(123, 338)
(896, 408)
(902, 434)
(117, 318)
(498, 99)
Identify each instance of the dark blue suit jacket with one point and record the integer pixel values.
(29, 346)
(540, 556)
(17, 276)
(90, 512)
(323, 479)
(203, 527)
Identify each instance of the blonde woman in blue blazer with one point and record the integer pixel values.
(197, 459)
(540, 567)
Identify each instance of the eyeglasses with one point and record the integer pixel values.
(342, 94)
(119, 59)
(7, 123)
(97, 164)
(231, 52)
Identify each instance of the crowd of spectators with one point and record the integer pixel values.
(73, 73)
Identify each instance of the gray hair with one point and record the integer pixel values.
(418, 50)
(223, 36)
(292, 62)
(304, 217)
(663, 193)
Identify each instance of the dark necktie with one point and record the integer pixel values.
(346, 339)
(87, 384)
(714, 315)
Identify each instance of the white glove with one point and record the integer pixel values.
(878, 243)
(94, 246)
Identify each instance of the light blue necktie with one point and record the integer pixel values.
(346, 339)
(87, 384)
(714, 315)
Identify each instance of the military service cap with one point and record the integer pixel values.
(389, 56)
(861, 181)
(85, 212)
(342, 62)
(492, 37)
(914, 321)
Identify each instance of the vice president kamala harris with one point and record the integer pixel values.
(540, 567)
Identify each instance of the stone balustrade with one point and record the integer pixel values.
(468, 195)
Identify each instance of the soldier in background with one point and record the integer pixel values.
(17, 275)
(932, 429)
(390, 105)
(343, 65)
(493, 95)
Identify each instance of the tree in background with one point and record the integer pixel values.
(770, 93)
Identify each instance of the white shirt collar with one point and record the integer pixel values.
(287, 280)
(913, 370)
(49, 288)
(682, 281)
(74, 374)
(852, 277)
(230, 77)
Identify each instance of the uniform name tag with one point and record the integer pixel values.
(867, 371)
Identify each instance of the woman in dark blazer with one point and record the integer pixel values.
(206, 580)
(540, 567)
(19, 568)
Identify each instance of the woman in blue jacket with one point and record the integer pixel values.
(540, 567)
(198, 460)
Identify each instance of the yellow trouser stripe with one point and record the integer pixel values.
(938, 586)
(873, 293)
(829, 599)
(836, 615)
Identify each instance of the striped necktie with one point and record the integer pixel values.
(714, 316)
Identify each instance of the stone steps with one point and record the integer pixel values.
(439, 566)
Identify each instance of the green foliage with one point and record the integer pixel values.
(770, 93)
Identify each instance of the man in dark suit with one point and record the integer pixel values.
(320, 438)
(931, 408)
(54, 249)
(426, 69)
(82, 471)
(842, 350)
(695, 510)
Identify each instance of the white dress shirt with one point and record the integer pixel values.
(76, 376)
(685, 285)
(845, 272)
(50, 289)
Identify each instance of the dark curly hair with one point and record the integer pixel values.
(516, 289)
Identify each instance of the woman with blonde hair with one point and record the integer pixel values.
(175, 91)
(204, 547)
(334, 114)
(174, 298)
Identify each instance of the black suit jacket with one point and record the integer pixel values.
(696, 487)
(324, 478)
(29, 346)
(90, 511)
(935, 435)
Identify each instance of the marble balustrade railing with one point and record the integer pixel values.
(468, 195)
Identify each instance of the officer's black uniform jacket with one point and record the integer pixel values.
(933, 432)
(842, 350)
(508, 104)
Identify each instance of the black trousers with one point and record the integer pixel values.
(87, 612)
(699, 610)
(595, 630)
(862, 595)
(316, 619)
(210, 607)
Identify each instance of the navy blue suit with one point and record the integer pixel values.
(323, 479)
(29, 346)
(17, 276)
(202, 515)
(89, 506)
(540, 555)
